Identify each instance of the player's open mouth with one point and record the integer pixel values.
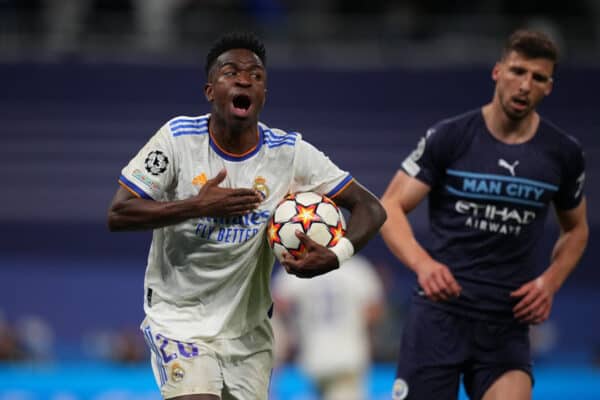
(520, 101)
(242, 102)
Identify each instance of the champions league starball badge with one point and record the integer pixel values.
(156, 162)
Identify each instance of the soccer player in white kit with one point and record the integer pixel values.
(331, 317)
(207, 186)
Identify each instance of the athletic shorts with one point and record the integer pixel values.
(438, 347)
(237, 369)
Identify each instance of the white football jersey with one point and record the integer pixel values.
(209, 277)
(330, 316)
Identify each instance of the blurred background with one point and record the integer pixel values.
(85, 83)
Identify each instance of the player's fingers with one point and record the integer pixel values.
(544, 314)
(538, 316)
(526, 313)
(288, 261)
(220, 177)
(435, 290)
(305, 239)
(443, 289)
(525, 305)
(250, 198)
(526, 301)
(245, 202)
(452, 287)
(522, 291)
(456, 288)
(249, 194)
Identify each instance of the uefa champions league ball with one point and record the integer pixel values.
(308, 212)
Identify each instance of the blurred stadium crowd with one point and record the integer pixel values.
(323, 32)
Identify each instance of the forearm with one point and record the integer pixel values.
(140, 214)
(400, 239)
(366, 219)
(566, 254)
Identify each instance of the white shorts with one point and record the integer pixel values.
(237, 369)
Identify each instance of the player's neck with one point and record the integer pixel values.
(233, 138)
(509, 130)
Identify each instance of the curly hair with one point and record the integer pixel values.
(236, 40)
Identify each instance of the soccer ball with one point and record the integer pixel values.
(308, 212)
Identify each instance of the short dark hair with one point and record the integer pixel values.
(236, 40)
(531, 44)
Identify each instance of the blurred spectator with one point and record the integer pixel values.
(152, 22)
(29, 339)
(10, 349)
(328, 320)
(129, 347)
(125, 346)
(65, 21)
(155, 22)
(544, 338)
(36, 337)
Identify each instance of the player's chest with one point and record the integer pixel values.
(520, 174)
(259, 173)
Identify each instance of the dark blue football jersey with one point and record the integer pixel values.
(488, 205)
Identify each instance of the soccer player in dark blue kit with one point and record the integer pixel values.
(490, 175)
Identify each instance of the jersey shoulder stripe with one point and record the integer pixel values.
(273, 137)
(182, 126)
(340, 187)
(133, 188)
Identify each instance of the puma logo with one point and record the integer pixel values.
(510, 167)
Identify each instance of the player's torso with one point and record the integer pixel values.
(489, 210)
(217, 269)
(498, 188)
(497, 191)
(263, 170)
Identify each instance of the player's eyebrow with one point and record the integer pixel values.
(236, 65)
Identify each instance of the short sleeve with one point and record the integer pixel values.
(571, 189)
(314, 171)
(151, 171)
(428, 161)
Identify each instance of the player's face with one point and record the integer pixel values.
(236, 86)
(521, 83)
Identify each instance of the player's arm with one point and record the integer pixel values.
(402, 195)
(366, 217)
(130, 212)
(367, 214)
(536, 296)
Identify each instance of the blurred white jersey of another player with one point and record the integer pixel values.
(209, 277)
(330, 316)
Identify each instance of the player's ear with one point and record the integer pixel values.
(264, 97)
(208, 92)
(496, 71)
(549, 87)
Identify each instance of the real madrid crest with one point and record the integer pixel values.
(177, 373)
(156, 162)
(260, 185)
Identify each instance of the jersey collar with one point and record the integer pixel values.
(237, 157)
